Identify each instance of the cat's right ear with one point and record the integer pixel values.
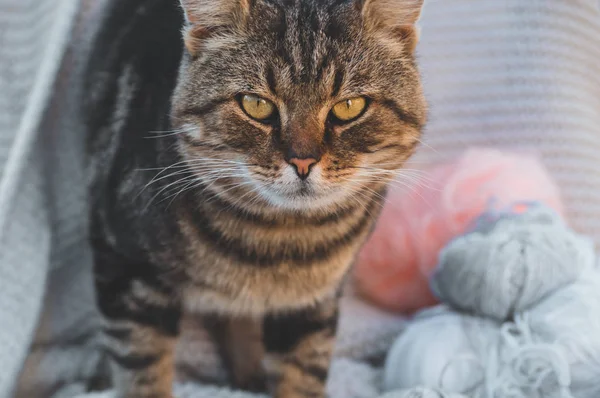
(204, 18)
(396, 17)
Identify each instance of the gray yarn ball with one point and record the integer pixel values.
(505, 266)
(420, 392)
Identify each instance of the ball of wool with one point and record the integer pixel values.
(421, 392)
(551, 350)
(569, 321)
(510, 262)
(440, 349)
(480, 358)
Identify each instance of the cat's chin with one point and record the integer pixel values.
(305, 199)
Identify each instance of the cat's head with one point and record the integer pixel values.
(302, 104)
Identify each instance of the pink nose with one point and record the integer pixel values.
(303, 166)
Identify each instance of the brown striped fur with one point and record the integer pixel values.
(210, 217)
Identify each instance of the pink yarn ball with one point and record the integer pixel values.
(392, 269)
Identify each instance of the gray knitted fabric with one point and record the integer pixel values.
(506, 73)
(33, 35)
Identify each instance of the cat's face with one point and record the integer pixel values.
(302, 104)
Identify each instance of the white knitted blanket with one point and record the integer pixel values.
(507, 73)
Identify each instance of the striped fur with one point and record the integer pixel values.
(195, 207)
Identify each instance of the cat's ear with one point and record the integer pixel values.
(396, 17)
(207, 17)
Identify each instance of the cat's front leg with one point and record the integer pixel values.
(301, 345)
(141, 324)
(241, 345)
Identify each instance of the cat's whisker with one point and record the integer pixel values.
(197, 162)
(366, 198)
(395, 170)
(209, 182)
(197, 182)
(229, 187)
(212, 195)
(413, 176)
(211, 171)
(173, 174)
(253, 190)
(375, 193)
(184, 188)
(164, 169)
(166, 131)
(154, 180)
(421, 178)
(187, 163)
(360, 204)
(214, 177)
(412, 188)
(179, 181)
(364, 185)
(169, 133)
(420, 162)
(427, 146)
(411, 184)
(419, 182)
(190, 170)
(394, 182)
(199, 159)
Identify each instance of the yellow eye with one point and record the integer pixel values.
(256, 107)
(349, 109)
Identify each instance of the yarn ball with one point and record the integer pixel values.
(528, 334)
(441, 202)
(420, 392)
(440, 349)
(506, 266)
(569, 321)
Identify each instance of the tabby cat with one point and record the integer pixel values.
(240, 152)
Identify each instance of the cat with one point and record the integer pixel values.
(239, 154)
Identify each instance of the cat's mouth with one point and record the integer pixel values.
(303, 195)
(300, 190)
(289, 191)
(305, 190)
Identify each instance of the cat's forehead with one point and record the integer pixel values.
(304, 6)
(303, 22)
(305, 41)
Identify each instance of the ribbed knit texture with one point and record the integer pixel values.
(33, 34)
(521, 74)
(506, 73)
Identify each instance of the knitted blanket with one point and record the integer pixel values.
(506, 73)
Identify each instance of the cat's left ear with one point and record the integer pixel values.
(396, 17)
(205, 18)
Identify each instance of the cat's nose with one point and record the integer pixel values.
(303, 166)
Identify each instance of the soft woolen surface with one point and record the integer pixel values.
(507, 269)
(497, 73)
(421, 392)
(532, 289)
